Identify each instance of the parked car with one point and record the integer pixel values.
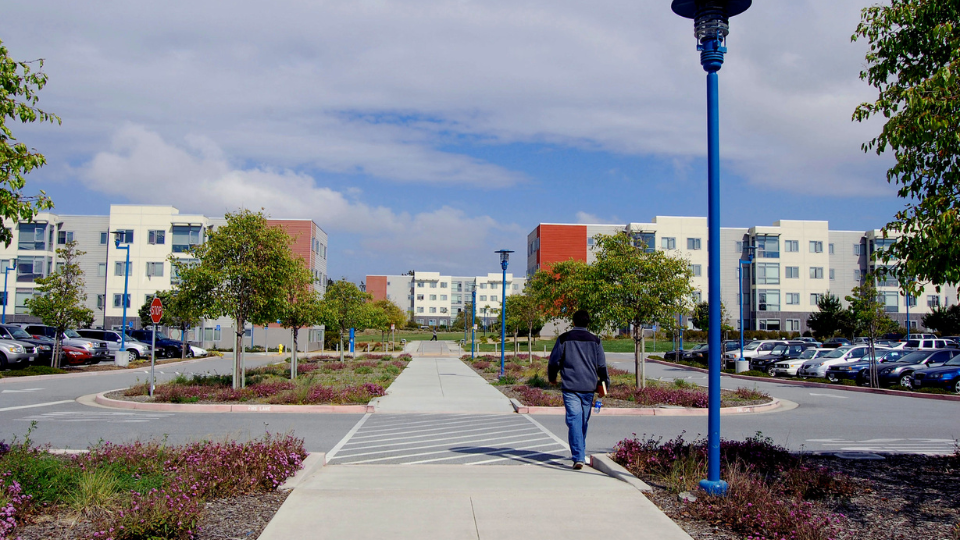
(166, 347)
(15, 352)
(834, 342)
(98, 349)
(702, 353)
(136, 348)
(947, 376)
(791, 349)
(755, 348)
(818, 366)
(810, 340)
(901, 372)
(926, 343)
(790, 366)
(44, 345)
(680, 355)
(858, 370)
(75, 356)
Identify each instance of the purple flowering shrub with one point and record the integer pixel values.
(535, 397)
(660, 395)
(12, 501)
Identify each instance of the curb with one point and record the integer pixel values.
(311, 465)
(101, 399)
(650, 411)
(604, 464)
(883, 391)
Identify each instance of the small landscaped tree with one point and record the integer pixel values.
(393, 315)
(830, 319)
(868, 316)
(244, 272)
(61, 299)
(701, 316)
(523, 312)
(301, 308)
(945, 320)
(344, 306)
(179, 312)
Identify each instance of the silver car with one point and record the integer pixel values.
(15, 352)
(137, 349)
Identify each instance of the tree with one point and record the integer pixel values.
(393, 315)
(868, 316)
(945, 320)
(19, 86)
(179, 311)
(912, 62)
(244, 271)
(831, 319)
(343, 307)
(561, 289)
(524, 313)
(701, 316)
(61, 299)
(302, 307)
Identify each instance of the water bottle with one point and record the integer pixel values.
(597, 405)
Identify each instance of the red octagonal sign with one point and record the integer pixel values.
(156, 310)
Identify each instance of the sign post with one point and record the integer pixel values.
(156, 313)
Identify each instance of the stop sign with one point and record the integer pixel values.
(156, 310)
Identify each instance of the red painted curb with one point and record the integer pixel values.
(654, 411)
(210, 408)
(938, 397)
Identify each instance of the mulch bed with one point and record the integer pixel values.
(904, 497)
(224, 519)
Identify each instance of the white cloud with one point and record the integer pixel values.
(585, 218)
(143, 168)
(392, 89)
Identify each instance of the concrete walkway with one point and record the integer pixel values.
(442, 385)
(440, 502)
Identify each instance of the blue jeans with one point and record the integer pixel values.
(578, 406)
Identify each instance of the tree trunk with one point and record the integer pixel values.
(293, 355)
(636, 360)
(530, 343)
(57, 352)
(238, 375)
(183, 340)
(341, 345)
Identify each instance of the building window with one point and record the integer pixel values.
(911, 300)
(157, 237)
(433, 310)
(443, 284)
(693, 244)
(433, 284)
(483, 298)
(832, 275)
(768, 300)
(697, 297)
(493, 298)
(420, 297)
(933, 301)
(483, 285)
(668, 242)
(647, 241)
(104, 238)
(768, 247)
(20, 301)
(117, 300)
(793, 325)
(64, 237)
(118, 268)
(768, 273)
(815, 298)
(125, 236)
(830, 247)
(32, 236)
(457, 298)
(516, 287)
(185, 237)
(791, 246)
(495, 285)
(816, 246)
(101, 269)
(793, 298)
(175, 273)
(792, 272)
(100, 299)
(211, 334)
(696, 270)
(420, 284)
(154, 269)
(857, 249)
(770, 325)
(433, 298)
(891, 301)
(738, 246)
(443, 310)
(30, 268)
(443, 297)
(433, 322)
(816, 272)
(419, 310)
(856, 276)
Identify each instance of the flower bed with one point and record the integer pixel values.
(139, 490)
(320, 380)
(526, 380)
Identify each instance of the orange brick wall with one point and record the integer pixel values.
(377, 286)
(560, 243)
(301, 231)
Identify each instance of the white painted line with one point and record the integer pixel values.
(475, 463)
(346, 437)
(524, 458)
(20, 391)
(447, 432)
(446, 446)
(829, 395)
(467, 437)
(37, 405)
(508, 455)
(547, 431)
(433, 422)
(446, 450)
(448, 427)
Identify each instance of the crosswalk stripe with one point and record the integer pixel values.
(515, 428)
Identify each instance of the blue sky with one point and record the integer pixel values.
(427, 134)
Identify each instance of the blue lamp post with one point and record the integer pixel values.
(711, 26)
(117, 235)
(3, 319)
(740, 283)
(473, 324)
(504, 260)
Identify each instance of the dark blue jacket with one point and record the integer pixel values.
(578, 358)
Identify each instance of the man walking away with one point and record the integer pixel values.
(578, 357)
(434, 338)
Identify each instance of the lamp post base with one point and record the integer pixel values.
(717, 487)
(743, 365)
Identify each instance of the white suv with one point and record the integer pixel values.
(817, 367)
(755, 348)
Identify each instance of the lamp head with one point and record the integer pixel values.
(14, 262)
(117, 236)
(711, 17)
(504, 257)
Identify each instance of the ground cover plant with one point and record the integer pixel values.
(775, 494)
(320, 380)
(141, 490)
(526, 380)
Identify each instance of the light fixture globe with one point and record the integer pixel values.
(711, 17)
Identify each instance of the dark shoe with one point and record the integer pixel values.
(578, 465)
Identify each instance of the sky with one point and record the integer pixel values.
(426, 134)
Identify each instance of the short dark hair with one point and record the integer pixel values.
(581, 319)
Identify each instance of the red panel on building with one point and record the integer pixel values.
(560, 243)
(377, 286)
(301, 233)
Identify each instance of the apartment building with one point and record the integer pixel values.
(432, 299)
(794, 263)
(151, 234)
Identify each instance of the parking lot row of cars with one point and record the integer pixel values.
(25, 343)
(924, 362)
